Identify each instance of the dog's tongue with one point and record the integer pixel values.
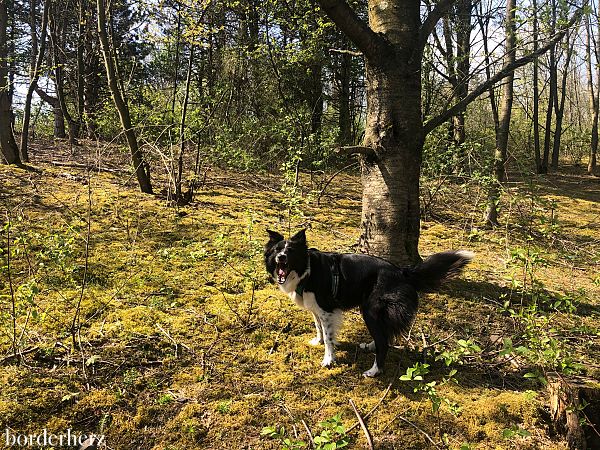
(281, 273)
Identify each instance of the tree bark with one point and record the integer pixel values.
(10, 151)
(394, 127)
(35, 75)
(393, 44)
(140, 166)
(502, 134)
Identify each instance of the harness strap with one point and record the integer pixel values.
(335, 279)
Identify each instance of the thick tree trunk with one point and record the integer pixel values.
(10, 151)
(394, 130)
(139, 165)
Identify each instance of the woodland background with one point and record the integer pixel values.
(148, 318)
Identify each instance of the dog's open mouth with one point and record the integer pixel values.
(282, 272)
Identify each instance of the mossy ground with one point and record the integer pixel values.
(183, 343)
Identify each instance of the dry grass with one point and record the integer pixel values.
(184, 343)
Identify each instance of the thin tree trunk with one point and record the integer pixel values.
(595, 100)
(55, 30)
(552, 94)
(559, 106)
(536, 94)
(344, 117)
(176, 65)
(491, 214)
(463, 51)
(35, 75)
(83, 7)
(188, 81)
(137, 158)
(59, 120)
(10, 151)
(491, 91)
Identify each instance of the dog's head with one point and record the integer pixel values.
(284, 256)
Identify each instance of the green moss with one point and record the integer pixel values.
(177, 307)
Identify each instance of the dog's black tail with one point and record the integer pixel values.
(435, 270)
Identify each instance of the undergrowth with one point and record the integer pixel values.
(158, 327)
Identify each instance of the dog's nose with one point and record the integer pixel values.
(281, 258)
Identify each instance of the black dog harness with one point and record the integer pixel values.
(335, 279)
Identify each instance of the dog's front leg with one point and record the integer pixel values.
(328, 339)
(330, 323)
(318, 339)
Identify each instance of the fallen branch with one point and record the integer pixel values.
(18, 354)
(88, 167)
(372, 410)
(363, 426)
(310, 436)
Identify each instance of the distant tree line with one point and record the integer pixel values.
(459, 87)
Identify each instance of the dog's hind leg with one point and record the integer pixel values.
(318, 339)
(368, 346)
(380, 340)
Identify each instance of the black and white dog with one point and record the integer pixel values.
(328, 283)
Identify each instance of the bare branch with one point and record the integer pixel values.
(434, 122)
(358, 31)
(431, 21)
(347, 52)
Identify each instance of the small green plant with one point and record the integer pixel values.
(515, 431)
(457, 354)
(279, 434)
(416, 374)
(332, 437)
(224, 407)
(165, 399)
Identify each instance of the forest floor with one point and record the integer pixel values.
(177, 340)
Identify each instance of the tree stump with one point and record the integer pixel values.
(575, 409)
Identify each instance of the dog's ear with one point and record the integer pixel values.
(274, 238)
(300, 237)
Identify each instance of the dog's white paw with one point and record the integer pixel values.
(316, 341)
(368, 346)
(372, 372)
(328, 361)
